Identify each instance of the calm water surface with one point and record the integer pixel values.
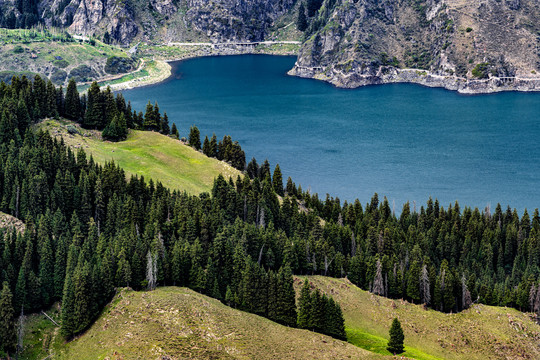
(402, 141)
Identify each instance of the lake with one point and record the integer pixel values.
(403, 141)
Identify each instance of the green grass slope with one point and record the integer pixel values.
(481, 332)
(178, 323)
(151, 155)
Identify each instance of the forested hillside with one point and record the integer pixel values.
(89, 229)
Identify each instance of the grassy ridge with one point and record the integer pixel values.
(179, 323)
(481, 332)
(151, 155)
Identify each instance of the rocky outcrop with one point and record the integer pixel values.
(231, 20)
(161, 21)
(470, 46)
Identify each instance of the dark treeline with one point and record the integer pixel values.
(225, 150)
(320, 313)
(90, 230)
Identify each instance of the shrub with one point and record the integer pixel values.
(18, 49)
(62, 64)
(480, 71)
(72, 130)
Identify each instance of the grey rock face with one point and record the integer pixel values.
(130, 20)
(475, 45)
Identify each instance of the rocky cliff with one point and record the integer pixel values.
(466, 45)
(159, 21)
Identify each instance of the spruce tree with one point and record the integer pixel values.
(206, 147)
(94, 107)
(304, 320)
(165, 129)
(8, 339)
(194, 138)
(151, 118)
(395, 344)
(286, 304)
(69, 324)
(277, 181)
(318, 311)
(174, 131)
(213, 146)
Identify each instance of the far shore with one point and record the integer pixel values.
(162, 69)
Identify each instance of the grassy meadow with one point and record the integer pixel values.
(178, 323)
(151, 155)
(481, 332)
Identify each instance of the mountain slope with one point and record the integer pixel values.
(178, 323)
(469, 46)
(481, 332)
(156, 20)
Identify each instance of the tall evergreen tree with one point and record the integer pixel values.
(194, 138)
(206, 147)
(8, 339)
(395, 344)
(277, 181)
(94, 107)
(304, 320)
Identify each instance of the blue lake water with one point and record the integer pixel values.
(403, 141)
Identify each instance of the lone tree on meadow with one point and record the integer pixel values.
(194, 138)
(395, 344)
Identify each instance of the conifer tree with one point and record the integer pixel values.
(151, 118)
(229, 297)
(413, 287)
(83, 295)
(336, 323)
(110, 109)
(8, 339)
(213, 146)
(206, 147)
(174, 131)
(272, 290)
(194, 138)
(286, 305)
(123, 272)
(395, 344)
(94, 107)
(165, 129)
(69, 325)
(46, 271)
(318, 313)
(304, 320)
(277, 181)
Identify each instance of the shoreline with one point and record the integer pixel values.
(163, 70)
(159, 69)
(355, 78)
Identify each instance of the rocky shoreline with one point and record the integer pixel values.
(388, 75)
